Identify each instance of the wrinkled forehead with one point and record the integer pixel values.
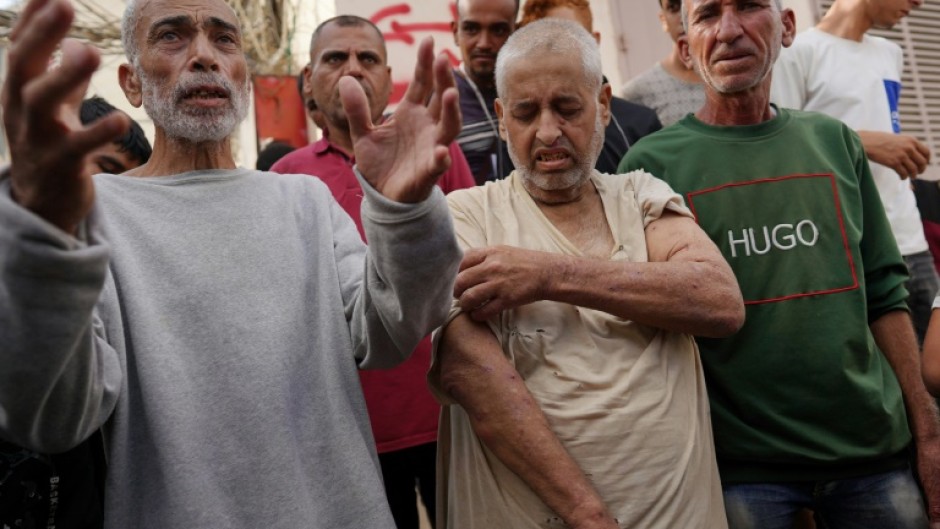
(487, 10)
(362, 37)
(559, 75)
(199, 13)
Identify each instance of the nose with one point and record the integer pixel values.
(729, 26)
(917, 3)
(485, 42)
(353, 66)
(548, 130)
(203, 55)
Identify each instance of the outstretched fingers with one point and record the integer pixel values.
(449, 124)
(422, 86)
(63, 85)
(37, 37)
(103, 131)
(29, 11)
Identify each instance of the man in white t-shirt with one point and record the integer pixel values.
(837, 69)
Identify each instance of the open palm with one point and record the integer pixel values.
(404, 156)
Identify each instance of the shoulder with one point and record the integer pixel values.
(293, 186)
(889, 49)
(640, 85)
(881, 42)
(463, 87)
(821, 131)
(806, 45)
(478, 196)
(629, 110)
(296, 161)
(814, 120)
(651, 195)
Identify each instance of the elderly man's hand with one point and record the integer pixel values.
(905, 154)
(498, 278)
(403, 157)
(47, 142)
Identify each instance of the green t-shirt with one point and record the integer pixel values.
(802, 390)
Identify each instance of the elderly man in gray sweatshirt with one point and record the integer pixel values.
(210, 319)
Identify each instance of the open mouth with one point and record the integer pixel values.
(206, 93)
(550, 160)
(552, 156)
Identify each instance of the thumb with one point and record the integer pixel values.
(356, 107)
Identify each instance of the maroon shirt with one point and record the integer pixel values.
(402, 411)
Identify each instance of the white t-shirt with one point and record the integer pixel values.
(858, 83)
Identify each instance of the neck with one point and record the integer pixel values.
(749, 107)
(582, 221)
(675, 67)
(846, 19)
(340, 138)
(556, 200)
(174, 156)
(484, 84)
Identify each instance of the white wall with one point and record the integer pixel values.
(611, 41)
(804, 11)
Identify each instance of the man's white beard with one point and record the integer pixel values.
(194, 125)
(581, 171)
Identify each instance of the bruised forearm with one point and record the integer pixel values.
(508, 420)
(694, 297)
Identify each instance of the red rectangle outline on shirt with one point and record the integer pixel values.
(838, 210)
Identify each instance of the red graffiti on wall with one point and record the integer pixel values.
(404, 32)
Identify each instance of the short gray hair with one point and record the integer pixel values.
(128, 36)
(128, 25)
(550, 36)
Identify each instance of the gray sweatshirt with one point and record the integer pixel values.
(212, 323)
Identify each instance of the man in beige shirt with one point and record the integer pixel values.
(573, 391)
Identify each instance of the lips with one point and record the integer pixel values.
(482, 57)
(730, 56)
(205, 92)
(552, 159)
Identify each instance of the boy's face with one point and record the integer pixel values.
(110, 159)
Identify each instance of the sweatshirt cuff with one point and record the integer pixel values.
(383, 210)
(18, 219)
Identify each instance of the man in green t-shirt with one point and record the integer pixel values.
(818, 400)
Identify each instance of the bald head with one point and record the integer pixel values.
(551, 37)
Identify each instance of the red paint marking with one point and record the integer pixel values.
(385, 12)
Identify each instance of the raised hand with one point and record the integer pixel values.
(47, 142)
(403, 157)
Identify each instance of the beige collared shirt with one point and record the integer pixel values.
(627, 401)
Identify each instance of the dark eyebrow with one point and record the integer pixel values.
(185, 20)
(707, 7)
(175, 21)
(216, 22)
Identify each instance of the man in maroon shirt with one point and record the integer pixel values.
(403, 413)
